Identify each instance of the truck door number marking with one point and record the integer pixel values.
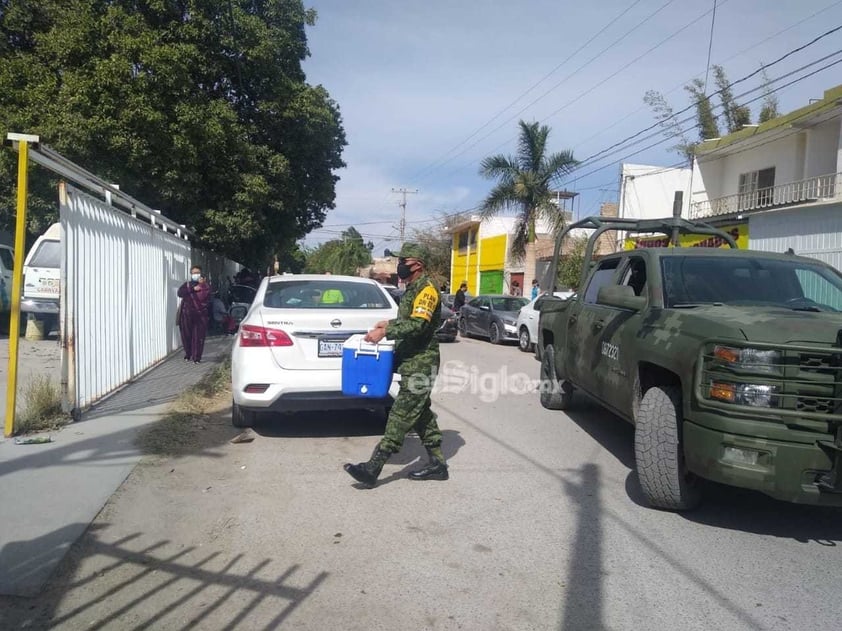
(611, 351)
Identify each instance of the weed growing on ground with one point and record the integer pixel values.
(177, 432)
(41, 409)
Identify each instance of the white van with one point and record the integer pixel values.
(7, 264)
(42, 278)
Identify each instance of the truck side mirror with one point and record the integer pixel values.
(621, 296)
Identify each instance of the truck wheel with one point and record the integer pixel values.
(241, 417)
(658, 451)
(523, 341)
(494, 333)
(555, 395)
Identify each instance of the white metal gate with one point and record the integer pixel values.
(812, 231)
(119, 281)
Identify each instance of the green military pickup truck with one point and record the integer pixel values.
(728, 362)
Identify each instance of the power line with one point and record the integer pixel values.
(569, 76)
(666, 139)
(582, 94)
(433, 164)
(727, 59)
(659, 123)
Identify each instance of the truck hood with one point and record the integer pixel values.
(777, 326)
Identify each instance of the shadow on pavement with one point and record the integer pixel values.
(321, 424)
(155, 584)
(723, 506)
(161, 384)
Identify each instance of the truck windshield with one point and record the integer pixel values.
(694, 280)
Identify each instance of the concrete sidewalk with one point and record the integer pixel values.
(49, 493)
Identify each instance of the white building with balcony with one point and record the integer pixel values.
(783, 177)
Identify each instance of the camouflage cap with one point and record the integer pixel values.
(411, 250)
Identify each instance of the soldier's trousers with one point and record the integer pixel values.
(411, 409)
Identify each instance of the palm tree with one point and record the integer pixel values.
(524, 184)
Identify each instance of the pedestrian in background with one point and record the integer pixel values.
(416, 361)
(459, 298)
(535, 288)
(195, 297)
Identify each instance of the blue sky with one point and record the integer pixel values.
(429, 89)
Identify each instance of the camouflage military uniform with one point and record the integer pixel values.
(417, 362)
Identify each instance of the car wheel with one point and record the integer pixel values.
(659, 454)
(463, 327)
(523, 341)
(494, 333)
(241, 417)
(555, 394)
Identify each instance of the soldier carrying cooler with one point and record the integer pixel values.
(417, 360)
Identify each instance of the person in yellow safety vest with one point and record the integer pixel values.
(332, 297)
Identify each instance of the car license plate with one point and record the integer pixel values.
(330, 348)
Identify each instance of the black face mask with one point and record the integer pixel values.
(404, 271)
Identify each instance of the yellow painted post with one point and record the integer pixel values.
(17, 277)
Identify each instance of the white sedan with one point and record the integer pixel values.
(288, 352)
(527, 320)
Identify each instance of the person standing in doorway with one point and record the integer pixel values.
(195, 297)
(535, 288)
(417, 362)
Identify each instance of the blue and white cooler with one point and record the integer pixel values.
(366, 367)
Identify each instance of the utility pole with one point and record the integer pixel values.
(402, 204)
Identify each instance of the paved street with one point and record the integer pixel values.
(541, 526)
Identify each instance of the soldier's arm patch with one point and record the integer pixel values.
(425, 304)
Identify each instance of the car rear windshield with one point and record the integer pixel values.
(7, 258)
(48, 254)
(758, 281)
(508, 304)
(325, 294)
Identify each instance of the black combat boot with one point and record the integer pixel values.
(367, 472)
(436, 468)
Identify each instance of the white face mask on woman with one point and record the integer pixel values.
(195, 277)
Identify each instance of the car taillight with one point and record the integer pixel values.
(251, 335)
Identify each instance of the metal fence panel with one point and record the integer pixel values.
(120, 276)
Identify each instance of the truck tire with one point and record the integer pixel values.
(555, 395)
(241, 417)
(524, 343)
(658, 451)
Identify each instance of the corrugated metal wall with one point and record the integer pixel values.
(119, 301)
(815, 232)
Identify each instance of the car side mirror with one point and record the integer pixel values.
(621, 296)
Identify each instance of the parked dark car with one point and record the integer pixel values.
(493, 316)
(449, 319)
(449, 325)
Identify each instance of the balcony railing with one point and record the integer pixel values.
(822, 187)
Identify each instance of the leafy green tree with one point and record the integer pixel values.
(199, 108)
(769, 108)
(736, 116)
(705, 118)
(666, 118)
(570, 263)
(340, 256)
(438, 240)
(524, 184)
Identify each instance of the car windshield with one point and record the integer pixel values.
(508, 304)
(48, 254)
(693, 280)
(324, 294)
(241, 293)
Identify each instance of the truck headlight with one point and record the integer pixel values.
(752, 359)
(752, 394)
